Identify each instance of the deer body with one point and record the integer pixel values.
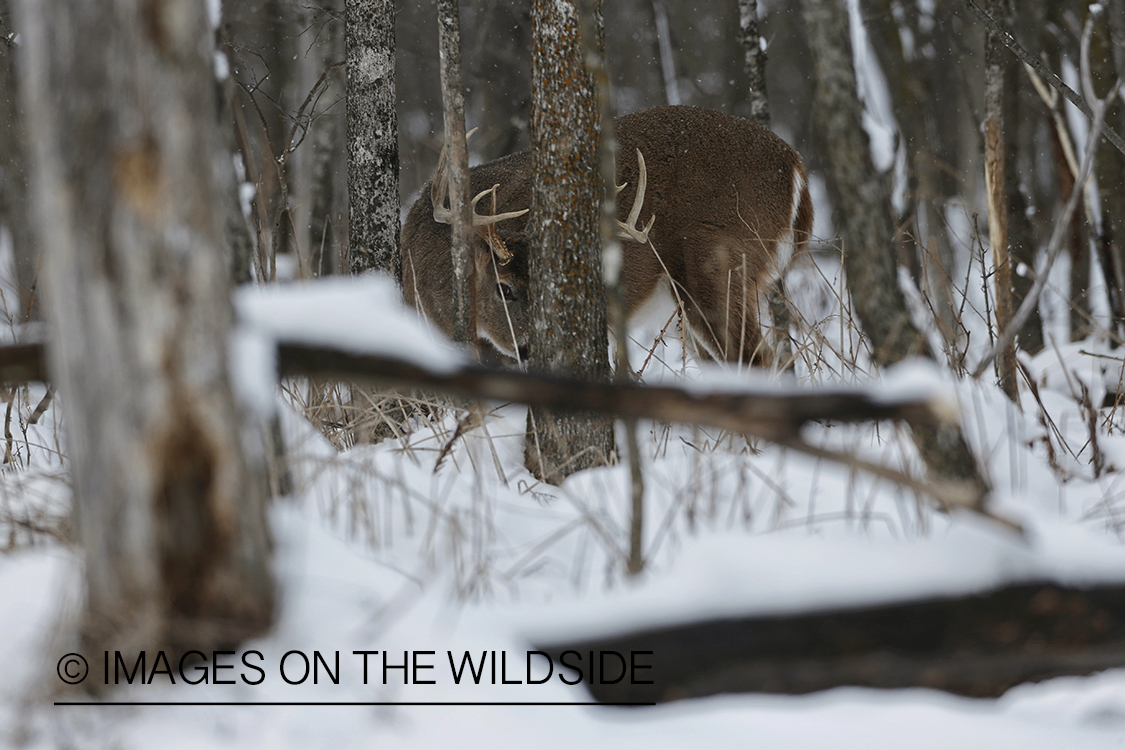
(713, 202)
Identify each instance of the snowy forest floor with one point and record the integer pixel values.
(423, 544)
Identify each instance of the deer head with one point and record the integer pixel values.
(720, 208)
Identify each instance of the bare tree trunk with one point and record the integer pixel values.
(613, 255)
(239, 235)
(994, 175)
(120, 99)
(755, 62)
(863, 209)
(929, 135)
(15, 208)
(1020, 147)
(568, 303)
(326, 228)
(453, 105)
(369, 30)
(1110, 166)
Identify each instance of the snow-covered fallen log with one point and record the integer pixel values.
(977, 645)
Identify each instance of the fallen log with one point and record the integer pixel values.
(979, 645)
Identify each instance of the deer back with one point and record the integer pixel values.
(728, 204)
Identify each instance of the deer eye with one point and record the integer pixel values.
(506, 292)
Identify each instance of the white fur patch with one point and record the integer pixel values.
(506, 349)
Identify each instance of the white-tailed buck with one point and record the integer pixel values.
(713, 202)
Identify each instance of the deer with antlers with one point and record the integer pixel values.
(711, 203)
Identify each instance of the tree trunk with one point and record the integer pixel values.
(326, 228)
(995, 154)
(568, 303)
(863, 211)
(930, 141)
(457, 166)
(1020, 147)
(373, 209)
(239, 235)
(120, 99)
(1110, 170)
(755, 62)
(15, 208)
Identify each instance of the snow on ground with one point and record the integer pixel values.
(378, 550)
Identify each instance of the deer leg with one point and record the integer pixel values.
(723, 309)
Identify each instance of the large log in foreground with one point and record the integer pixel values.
(776, 416)
(977, 646)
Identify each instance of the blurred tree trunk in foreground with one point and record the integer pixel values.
(568, 303)
(861, 197)
(15, 208)
(121, 105)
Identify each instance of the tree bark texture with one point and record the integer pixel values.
(373, 207)
(1020, 167)
(1110, 168)
(120, 98)
(931, 137)
(995, 153)
(457, 165)
(15, 208)
(327, 229)
(568, 328)
(755, 62)
(863, 217)
(239, 235)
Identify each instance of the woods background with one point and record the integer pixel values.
(968, 151)
(930, 55)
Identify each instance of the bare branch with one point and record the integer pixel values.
(1029, 60)
(1055, 245)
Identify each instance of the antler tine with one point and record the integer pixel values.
(629, 227)
(484, 221)
(439, 187)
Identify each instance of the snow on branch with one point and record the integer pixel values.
(357, 330)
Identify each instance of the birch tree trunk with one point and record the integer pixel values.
(120, 98)
(373, 229)
(861, 197)
(568, 303)
(755, 62)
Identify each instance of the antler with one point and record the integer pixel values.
(439, 193)
(629, 228)
(485, 225)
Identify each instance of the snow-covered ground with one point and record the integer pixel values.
(409, 547)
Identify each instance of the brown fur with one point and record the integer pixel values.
(721, 189)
